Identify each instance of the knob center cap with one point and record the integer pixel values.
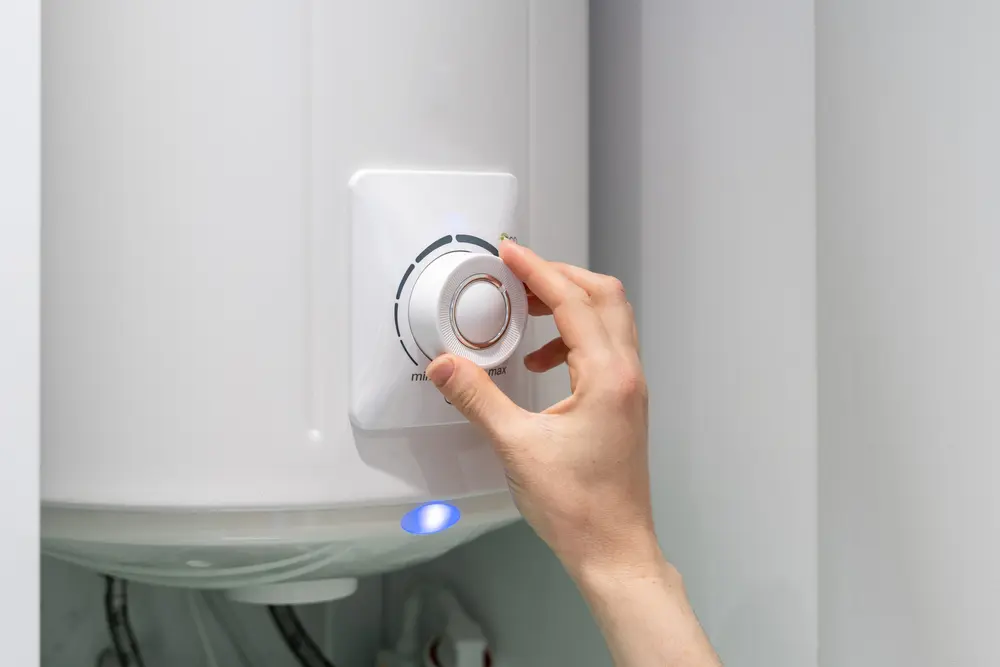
(480, 311)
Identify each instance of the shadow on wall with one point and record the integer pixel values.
(752, 627)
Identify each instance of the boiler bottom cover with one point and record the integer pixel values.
(237, 549)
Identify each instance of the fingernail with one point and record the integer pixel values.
(441, 370)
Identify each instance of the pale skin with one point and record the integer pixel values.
(579, 470)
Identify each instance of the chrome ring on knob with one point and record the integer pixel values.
(479, 277)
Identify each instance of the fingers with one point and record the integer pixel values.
(578, 323)
(541, 277)
(473, 393)
(595, 284)
(537, 307)
(608, 295)
(547, 357)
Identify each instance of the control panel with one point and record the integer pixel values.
(427, 279)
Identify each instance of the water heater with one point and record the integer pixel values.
(261, 220)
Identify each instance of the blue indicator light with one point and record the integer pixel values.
(430, 518)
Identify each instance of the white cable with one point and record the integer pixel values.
(199, 625)
(408, 643)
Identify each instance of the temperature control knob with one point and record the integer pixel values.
(470, 305)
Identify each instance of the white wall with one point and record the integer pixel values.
(728, 313)
(909, 240)
(703, 202)
(20, 53)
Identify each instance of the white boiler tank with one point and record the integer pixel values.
(260, 220)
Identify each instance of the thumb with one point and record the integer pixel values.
(473, 393)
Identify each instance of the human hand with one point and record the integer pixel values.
(579, 469)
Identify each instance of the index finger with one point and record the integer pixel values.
(543, 279)
(578, 323)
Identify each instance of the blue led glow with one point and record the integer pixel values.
(430, 518)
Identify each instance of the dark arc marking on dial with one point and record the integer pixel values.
(399, 290)
(475, 240)
(403, 345)
(444, 240)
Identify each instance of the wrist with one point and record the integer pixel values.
(644, 612)
(633, 557)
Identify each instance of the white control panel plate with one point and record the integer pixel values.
(401, 221)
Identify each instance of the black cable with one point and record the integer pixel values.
(296, 638)
(116, 615)
(110, 615)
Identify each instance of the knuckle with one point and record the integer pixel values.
(603, 360)
(629, 383)
(613, 288)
